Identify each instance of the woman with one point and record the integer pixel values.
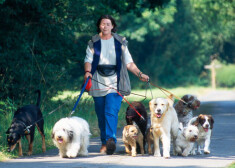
(107, 60)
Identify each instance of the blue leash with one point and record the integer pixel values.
(82, 91)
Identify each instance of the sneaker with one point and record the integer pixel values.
(103, 149)
(111, 146)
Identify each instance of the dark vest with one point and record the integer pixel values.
(96, 57)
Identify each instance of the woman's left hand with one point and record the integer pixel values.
(144, 78)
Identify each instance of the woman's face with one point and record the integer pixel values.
(106, 26)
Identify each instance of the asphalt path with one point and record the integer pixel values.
(220, 104)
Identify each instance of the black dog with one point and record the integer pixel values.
(132, 116)
(24, 117)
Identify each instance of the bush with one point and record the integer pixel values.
(226, 76)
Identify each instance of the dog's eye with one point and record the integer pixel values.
(162, 104)
(190, 130)
(63, 129)
(155, 104)
(8, 140)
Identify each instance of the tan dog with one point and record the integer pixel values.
(149, 139)
(165, 123)
(130, 135)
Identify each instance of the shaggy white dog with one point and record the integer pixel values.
(186, 139)
(71, 137)
(165, 125)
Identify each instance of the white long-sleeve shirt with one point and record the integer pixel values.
(107, 57)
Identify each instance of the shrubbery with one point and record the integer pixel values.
(225, 76)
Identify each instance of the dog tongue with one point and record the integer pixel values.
(158, 115)
(206, 129)
(60, 140)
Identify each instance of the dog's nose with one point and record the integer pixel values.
(59, 136)
(207, 125)
(158, 110)
(195, 136)
(8, 150)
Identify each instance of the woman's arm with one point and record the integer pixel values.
(87, 70)
(135, 70)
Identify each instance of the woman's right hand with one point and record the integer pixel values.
(87, 74)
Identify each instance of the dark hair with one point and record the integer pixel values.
(106, 17)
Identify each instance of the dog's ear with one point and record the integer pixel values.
(52, 135)
(8, 131)
(171, 100)
(185, 98)
(212, 121)
(127, 130)
(70, 133)
(196, 122)
(151, 104)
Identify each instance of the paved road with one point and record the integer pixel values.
(220, 104)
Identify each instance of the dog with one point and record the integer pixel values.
(29, 115)
(130, 136)
(185, 111)
(185, 140)
(165, 124)
(149, 139)
(205, 125)
(132, 116)
(71, 136)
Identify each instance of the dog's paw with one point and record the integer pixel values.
(207, 152)
(199, 152)
(157, 154)
(71, 154)
(83, 153)
(193, 153)
(133, 154)
(185, 154)
(166, 156)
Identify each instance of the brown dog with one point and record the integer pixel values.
(130, 135)
(149, 139)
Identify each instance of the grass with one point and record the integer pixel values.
(231, 165)
(85, 109)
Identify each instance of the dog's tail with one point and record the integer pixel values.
(39, 97)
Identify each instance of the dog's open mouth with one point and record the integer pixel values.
(193, 139)
(158, 115)
(135, 136)
(60, 140)
(206, 129)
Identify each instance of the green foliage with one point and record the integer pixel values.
(42, 44)
(225, 76)
(217, 27)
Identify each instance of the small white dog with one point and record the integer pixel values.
(186, 139)
(71, 137)
(165, 125)
(205, 125)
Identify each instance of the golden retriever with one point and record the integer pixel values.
(165, 124)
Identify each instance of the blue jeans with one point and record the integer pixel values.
(107, 108)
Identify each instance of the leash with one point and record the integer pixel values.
(27, 129)
(79, 97)
(164, 90)
(122, 97)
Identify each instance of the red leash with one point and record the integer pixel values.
(122, 97)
